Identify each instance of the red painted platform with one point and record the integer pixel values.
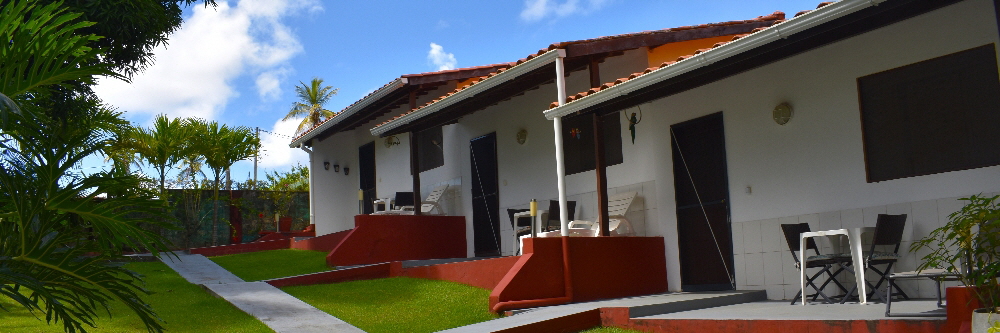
(600, 268)
(483, 273)
(385, 238)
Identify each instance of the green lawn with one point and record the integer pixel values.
(185, 308)
(263, 265)
(399, 304)
(609, 330)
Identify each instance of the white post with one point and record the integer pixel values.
(312, 204)
(560, 163)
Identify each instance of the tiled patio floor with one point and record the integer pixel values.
(781, 310)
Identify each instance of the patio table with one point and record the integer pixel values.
(854, 241)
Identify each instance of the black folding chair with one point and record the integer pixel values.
(888, 232)
(824, 262)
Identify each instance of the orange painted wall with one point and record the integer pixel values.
(385, 238)
(670, 52)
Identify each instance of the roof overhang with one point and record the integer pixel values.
(820, 27)
(473, 90)
(350, 111)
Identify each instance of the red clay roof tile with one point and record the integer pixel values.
(778, 15)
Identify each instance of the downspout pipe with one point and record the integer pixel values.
(563, 214)
(312, 205)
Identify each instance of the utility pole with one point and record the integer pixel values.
(255, 160)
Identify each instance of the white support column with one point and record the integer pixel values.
(560, 163)
(312, 204)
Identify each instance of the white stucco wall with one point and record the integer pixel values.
(815, 163)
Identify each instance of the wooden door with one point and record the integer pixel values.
(366, 166)
(701, 188)
(485, 196)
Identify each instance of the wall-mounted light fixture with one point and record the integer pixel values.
(522, 136)
(326, 165)
(347, 171)
(391, 140)
(782, 113)
(336, 168)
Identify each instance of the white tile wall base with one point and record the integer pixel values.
(763, 261)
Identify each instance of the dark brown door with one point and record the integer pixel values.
(366, 166)
(701, 188)
(485, 196)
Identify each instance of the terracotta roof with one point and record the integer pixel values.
(443, 73)
(776, 17)
(607, 85)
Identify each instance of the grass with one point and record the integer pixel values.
(263, 265)
(609, 330)
(399, 304)
(184, 307)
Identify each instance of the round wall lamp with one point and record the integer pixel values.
(326, 165)
(522, 136)
(391, 140)
(782, 113)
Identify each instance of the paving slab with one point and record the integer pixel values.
(198, 269)
(659, 303)
(781, 310)
(277, 309)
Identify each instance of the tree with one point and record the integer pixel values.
(225, 146)
(312, 97)
(164, 145)
(56, 237)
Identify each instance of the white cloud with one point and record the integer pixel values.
(193, 74)
(269, 83)
(441, 24)
(536, 10)
(276, 151)
(441, 59)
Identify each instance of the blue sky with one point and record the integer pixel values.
(238, 63)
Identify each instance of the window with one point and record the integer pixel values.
(430, 148)
(578, 142)
(934, 116)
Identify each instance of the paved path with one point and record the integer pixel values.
(275, 308)
(638, 306)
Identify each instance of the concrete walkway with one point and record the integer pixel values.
(275, 308)
(638, 306)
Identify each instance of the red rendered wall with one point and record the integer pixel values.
(272, 236)
(325, 243)
(242, 248)
(385, 238)
(485, 273)
(601, 267)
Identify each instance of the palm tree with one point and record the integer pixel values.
(164, 145)
(48, 229)
(312, 97)
(225, 146)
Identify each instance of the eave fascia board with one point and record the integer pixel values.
(484, 85)
(353, 109)
(782, 30)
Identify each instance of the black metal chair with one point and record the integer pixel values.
(554, 214)
(824, 262)
(888, 232)
(403, 200)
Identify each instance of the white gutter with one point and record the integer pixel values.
(312, 204)
(472, 90)
(782, 30)
(560, 161)
(350, 110)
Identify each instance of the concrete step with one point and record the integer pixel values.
(637, 306)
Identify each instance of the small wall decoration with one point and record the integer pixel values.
(782, 113)
(522, 136)
(632, 121)
(575, 133)
(391, 140)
